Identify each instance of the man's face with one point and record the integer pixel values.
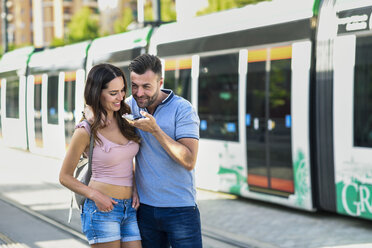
(145, 88)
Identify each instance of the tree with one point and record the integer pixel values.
(83, 26)
(56, 42)
(219, 5)
(122, 23)
(168, 11)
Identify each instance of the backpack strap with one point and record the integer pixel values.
(90, 156)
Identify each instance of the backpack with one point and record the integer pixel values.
(83, 173)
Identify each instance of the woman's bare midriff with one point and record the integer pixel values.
(115, 191)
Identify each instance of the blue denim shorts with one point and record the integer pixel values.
(118, 224)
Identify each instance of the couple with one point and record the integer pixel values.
(161, 192)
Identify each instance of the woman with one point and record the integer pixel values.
(109, 213)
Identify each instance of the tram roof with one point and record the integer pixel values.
(16, 59)
(248, 17)
(102, 48)
(69, 57)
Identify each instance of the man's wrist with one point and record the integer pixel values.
(155, 131)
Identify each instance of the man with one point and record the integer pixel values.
(169, 133)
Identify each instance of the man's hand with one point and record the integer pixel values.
(183, 151)
(147, 124)
(135, 200)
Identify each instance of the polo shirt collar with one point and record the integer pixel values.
(169, 97)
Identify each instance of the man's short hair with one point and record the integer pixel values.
(146, 62)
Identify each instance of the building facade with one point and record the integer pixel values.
(19, 19)
(39, 22)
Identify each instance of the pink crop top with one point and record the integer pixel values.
(112, 163)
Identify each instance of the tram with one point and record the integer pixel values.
(283, 90)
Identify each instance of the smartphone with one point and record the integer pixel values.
(132, 117)
(138, 117)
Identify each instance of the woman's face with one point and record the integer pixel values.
(113, 95)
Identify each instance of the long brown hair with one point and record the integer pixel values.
(98, 78)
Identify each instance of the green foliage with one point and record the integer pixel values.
(241, 3)
(122, 23)
(83, 26)
(219, 5)
(13, 46)
(56, 42)
(168, 11)
(148, 11)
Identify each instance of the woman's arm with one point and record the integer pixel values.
(79, 142)
(135, 197)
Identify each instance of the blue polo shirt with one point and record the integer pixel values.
(161, 181)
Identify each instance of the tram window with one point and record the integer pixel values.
(280, 88)
(218, 97)
(12, 98)
(69, 105)
(53, 99)
(256, 93)
(37, 109)
(255, 121)
(363, 92)
(178, 77)
(280, 134)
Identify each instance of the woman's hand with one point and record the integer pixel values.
(103, 202)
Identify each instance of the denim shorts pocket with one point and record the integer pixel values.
(86, 220)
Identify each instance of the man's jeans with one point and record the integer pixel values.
(161, 227)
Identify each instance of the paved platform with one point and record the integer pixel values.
(32, 182)
(18, 229)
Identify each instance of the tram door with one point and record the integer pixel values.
(13, 121)
(69, 105)
(268, 121)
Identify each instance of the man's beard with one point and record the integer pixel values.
(148, 100)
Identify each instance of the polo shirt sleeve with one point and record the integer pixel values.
(187, 122)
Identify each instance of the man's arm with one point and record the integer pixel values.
(184, 151)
